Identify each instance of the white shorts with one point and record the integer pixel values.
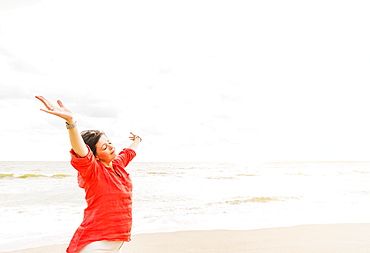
(102, 247)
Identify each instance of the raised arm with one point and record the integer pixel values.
(78, 145)
(136, 140)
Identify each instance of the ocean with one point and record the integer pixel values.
(41, 203)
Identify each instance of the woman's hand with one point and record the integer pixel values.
(75, 138)
(57, 110)
(136, 140)
(134, 137)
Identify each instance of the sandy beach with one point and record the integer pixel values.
(333, 238)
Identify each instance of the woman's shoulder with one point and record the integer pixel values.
(83, 162)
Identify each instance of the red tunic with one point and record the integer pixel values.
(108, 215)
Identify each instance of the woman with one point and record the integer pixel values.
(108, 217)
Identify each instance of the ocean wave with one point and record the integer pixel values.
(220, 177)
(61, 175)
(357, 171)
(298, 174)
(6, 175)
(32, 176)
(254, 200)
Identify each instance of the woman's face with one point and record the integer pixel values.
(105, 151)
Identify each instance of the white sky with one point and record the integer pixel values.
(234, 81)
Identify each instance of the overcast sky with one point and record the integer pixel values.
(234, 81)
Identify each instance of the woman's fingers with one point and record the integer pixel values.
(47, 104)
(60, 103)
(50, 108)
(57, 109)
(134, 137)
(49, 111)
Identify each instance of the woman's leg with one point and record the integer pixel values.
(102, 247)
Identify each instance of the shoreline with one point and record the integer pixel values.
(328, 238)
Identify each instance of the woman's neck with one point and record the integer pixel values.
(110, 164)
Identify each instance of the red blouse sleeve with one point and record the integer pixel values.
(84, 165)
(125, 156)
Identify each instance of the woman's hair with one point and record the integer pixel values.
(91, 137)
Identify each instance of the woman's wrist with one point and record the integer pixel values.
(71, 124)
(137, 137)
(70, 120)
